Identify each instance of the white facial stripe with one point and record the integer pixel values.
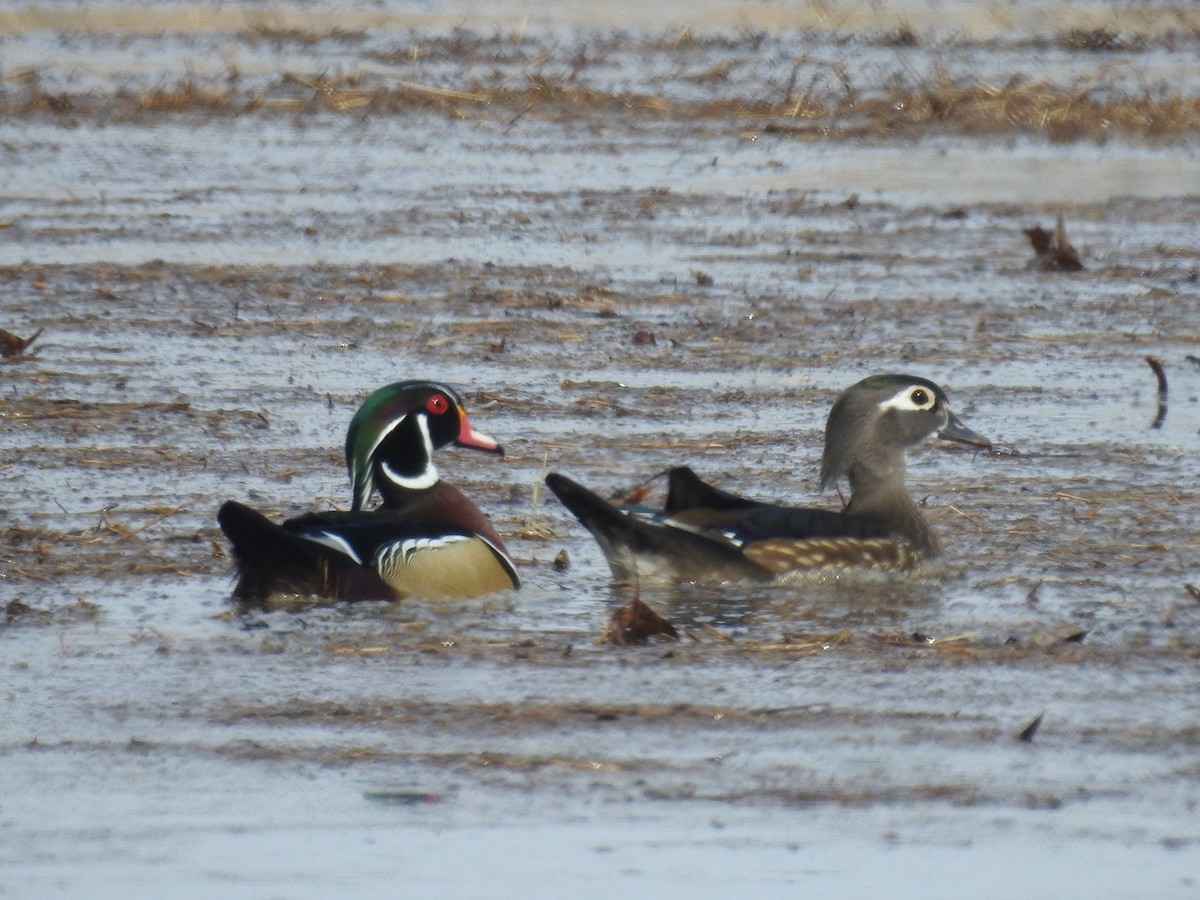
(334, 542)
(379, 440)
(367, 484)
(904, 402)
(423, 427)
(425, 479)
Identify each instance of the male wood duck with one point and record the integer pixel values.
(707, 534)
(426, 539)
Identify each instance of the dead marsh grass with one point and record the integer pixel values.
(818, 86)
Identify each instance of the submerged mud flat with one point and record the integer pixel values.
(629, 249)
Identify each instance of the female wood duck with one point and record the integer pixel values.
(426, 539)
(706, 534)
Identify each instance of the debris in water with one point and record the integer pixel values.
(638, 495)
(1032, 598)
(1031, 729)
(1193, 590)
(402, 798)
(562, 561)
(636, 623)
(643, 338)
(14, 345)
(1160, 373)
(1052, 250)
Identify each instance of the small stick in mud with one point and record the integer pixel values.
(1160, 373)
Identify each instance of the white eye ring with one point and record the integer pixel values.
(914, 398)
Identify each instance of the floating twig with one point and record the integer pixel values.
(1031, 729)
(1160, 373)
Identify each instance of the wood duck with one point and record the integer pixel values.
(707, 534)
(426, 539)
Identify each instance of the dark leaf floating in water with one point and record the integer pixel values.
(1052, 251)
(643, 338)
(1030, 730)
(1193, 590)
(14, 345)
(636, 623)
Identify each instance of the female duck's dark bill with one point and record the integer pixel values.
(955, 430)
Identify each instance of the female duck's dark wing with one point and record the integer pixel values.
(781, 539)
(378, 555)
(694, 503)
(704, 533)
(643, 547)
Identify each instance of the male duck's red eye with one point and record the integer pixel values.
(437, 404)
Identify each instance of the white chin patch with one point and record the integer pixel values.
(426, 479)
(904, 402)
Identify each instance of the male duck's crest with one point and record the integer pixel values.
(392, 437)
(704, 533)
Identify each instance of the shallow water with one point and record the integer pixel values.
(218, 292)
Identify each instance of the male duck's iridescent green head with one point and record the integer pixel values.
(391, 440)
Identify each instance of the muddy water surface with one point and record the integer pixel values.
(232, 226)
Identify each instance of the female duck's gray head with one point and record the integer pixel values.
(873, 423)
(392, 437)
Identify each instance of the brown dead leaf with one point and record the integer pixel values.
(13, 345)
(1052, 251)
(636, 623)
(638, 495)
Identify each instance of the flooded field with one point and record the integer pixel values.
(633, 238)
